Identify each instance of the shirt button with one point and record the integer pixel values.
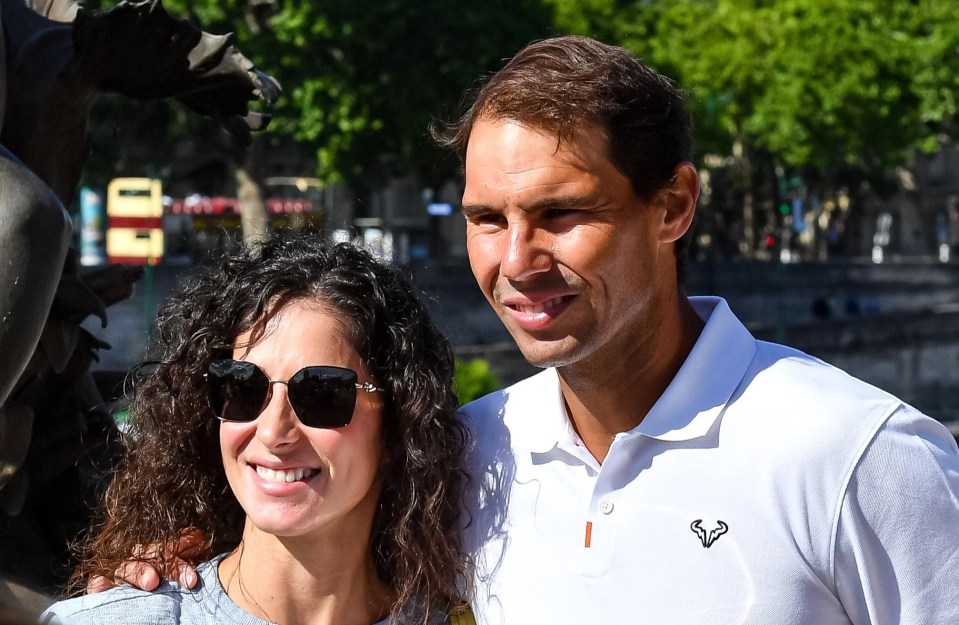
(605, 506)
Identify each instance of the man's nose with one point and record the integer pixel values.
(526, 254)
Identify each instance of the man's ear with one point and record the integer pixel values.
(679, 200)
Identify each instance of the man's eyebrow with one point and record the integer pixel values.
(561, 201)
(475, 209)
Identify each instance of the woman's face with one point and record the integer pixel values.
(294, 480)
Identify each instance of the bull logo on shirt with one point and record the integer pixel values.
(708, 537)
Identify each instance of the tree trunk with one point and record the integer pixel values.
(253, 216)
(744, 178)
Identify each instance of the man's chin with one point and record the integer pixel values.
(544, 354)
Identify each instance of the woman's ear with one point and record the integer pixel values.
(679, 200)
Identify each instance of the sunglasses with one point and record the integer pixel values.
(321, 396)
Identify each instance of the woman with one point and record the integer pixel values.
(299, 412)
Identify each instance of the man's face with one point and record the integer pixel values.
(577, 267)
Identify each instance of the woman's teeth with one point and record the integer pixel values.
(292, 475)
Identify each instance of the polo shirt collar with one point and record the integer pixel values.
(540, 421)
(686, 410)
(710, 375)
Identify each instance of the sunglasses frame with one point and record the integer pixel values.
(257, 378)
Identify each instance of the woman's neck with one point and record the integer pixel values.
(305, 581)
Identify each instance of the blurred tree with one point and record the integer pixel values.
(364, 79)
(405, 63)
(473, 378)
(837, 92)
(833, 93)
(612, 21)
(818, 83)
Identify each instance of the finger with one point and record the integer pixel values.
(98, 583)
(185, 575)
(138, 574)
(126, 572)
(145, 551)
(147, 578)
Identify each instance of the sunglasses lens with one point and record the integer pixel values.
(323, 397)
(237, 389)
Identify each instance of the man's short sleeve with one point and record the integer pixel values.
(897, 538)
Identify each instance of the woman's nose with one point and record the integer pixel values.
(277, 423)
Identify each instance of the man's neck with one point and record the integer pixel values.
(604, 401)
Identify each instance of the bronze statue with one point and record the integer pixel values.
(55, 59)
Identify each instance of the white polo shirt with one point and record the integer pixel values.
(765, 487)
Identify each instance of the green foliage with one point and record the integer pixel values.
(473, 379)
(820, 84)
(836, 93)
(606, 20)
(364, 79)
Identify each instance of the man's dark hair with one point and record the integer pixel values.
(561, 84)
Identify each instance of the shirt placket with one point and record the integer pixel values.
(603, 518)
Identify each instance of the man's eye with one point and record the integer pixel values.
(559, 213)
(491, 219)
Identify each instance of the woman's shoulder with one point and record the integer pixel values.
(119, 605)
(170, 604)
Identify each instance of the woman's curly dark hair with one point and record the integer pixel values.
(172, 476)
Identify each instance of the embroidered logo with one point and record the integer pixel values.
(708, 537)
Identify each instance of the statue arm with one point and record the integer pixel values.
(34, 239)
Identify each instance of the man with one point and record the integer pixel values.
(667, 467)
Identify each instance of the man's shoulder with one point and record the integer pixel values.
(791, 377)
(818, 407)
(124, 604)
(528, 389)
(499, 420)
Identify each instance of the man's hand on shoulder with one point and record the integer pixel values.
(138, 572)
